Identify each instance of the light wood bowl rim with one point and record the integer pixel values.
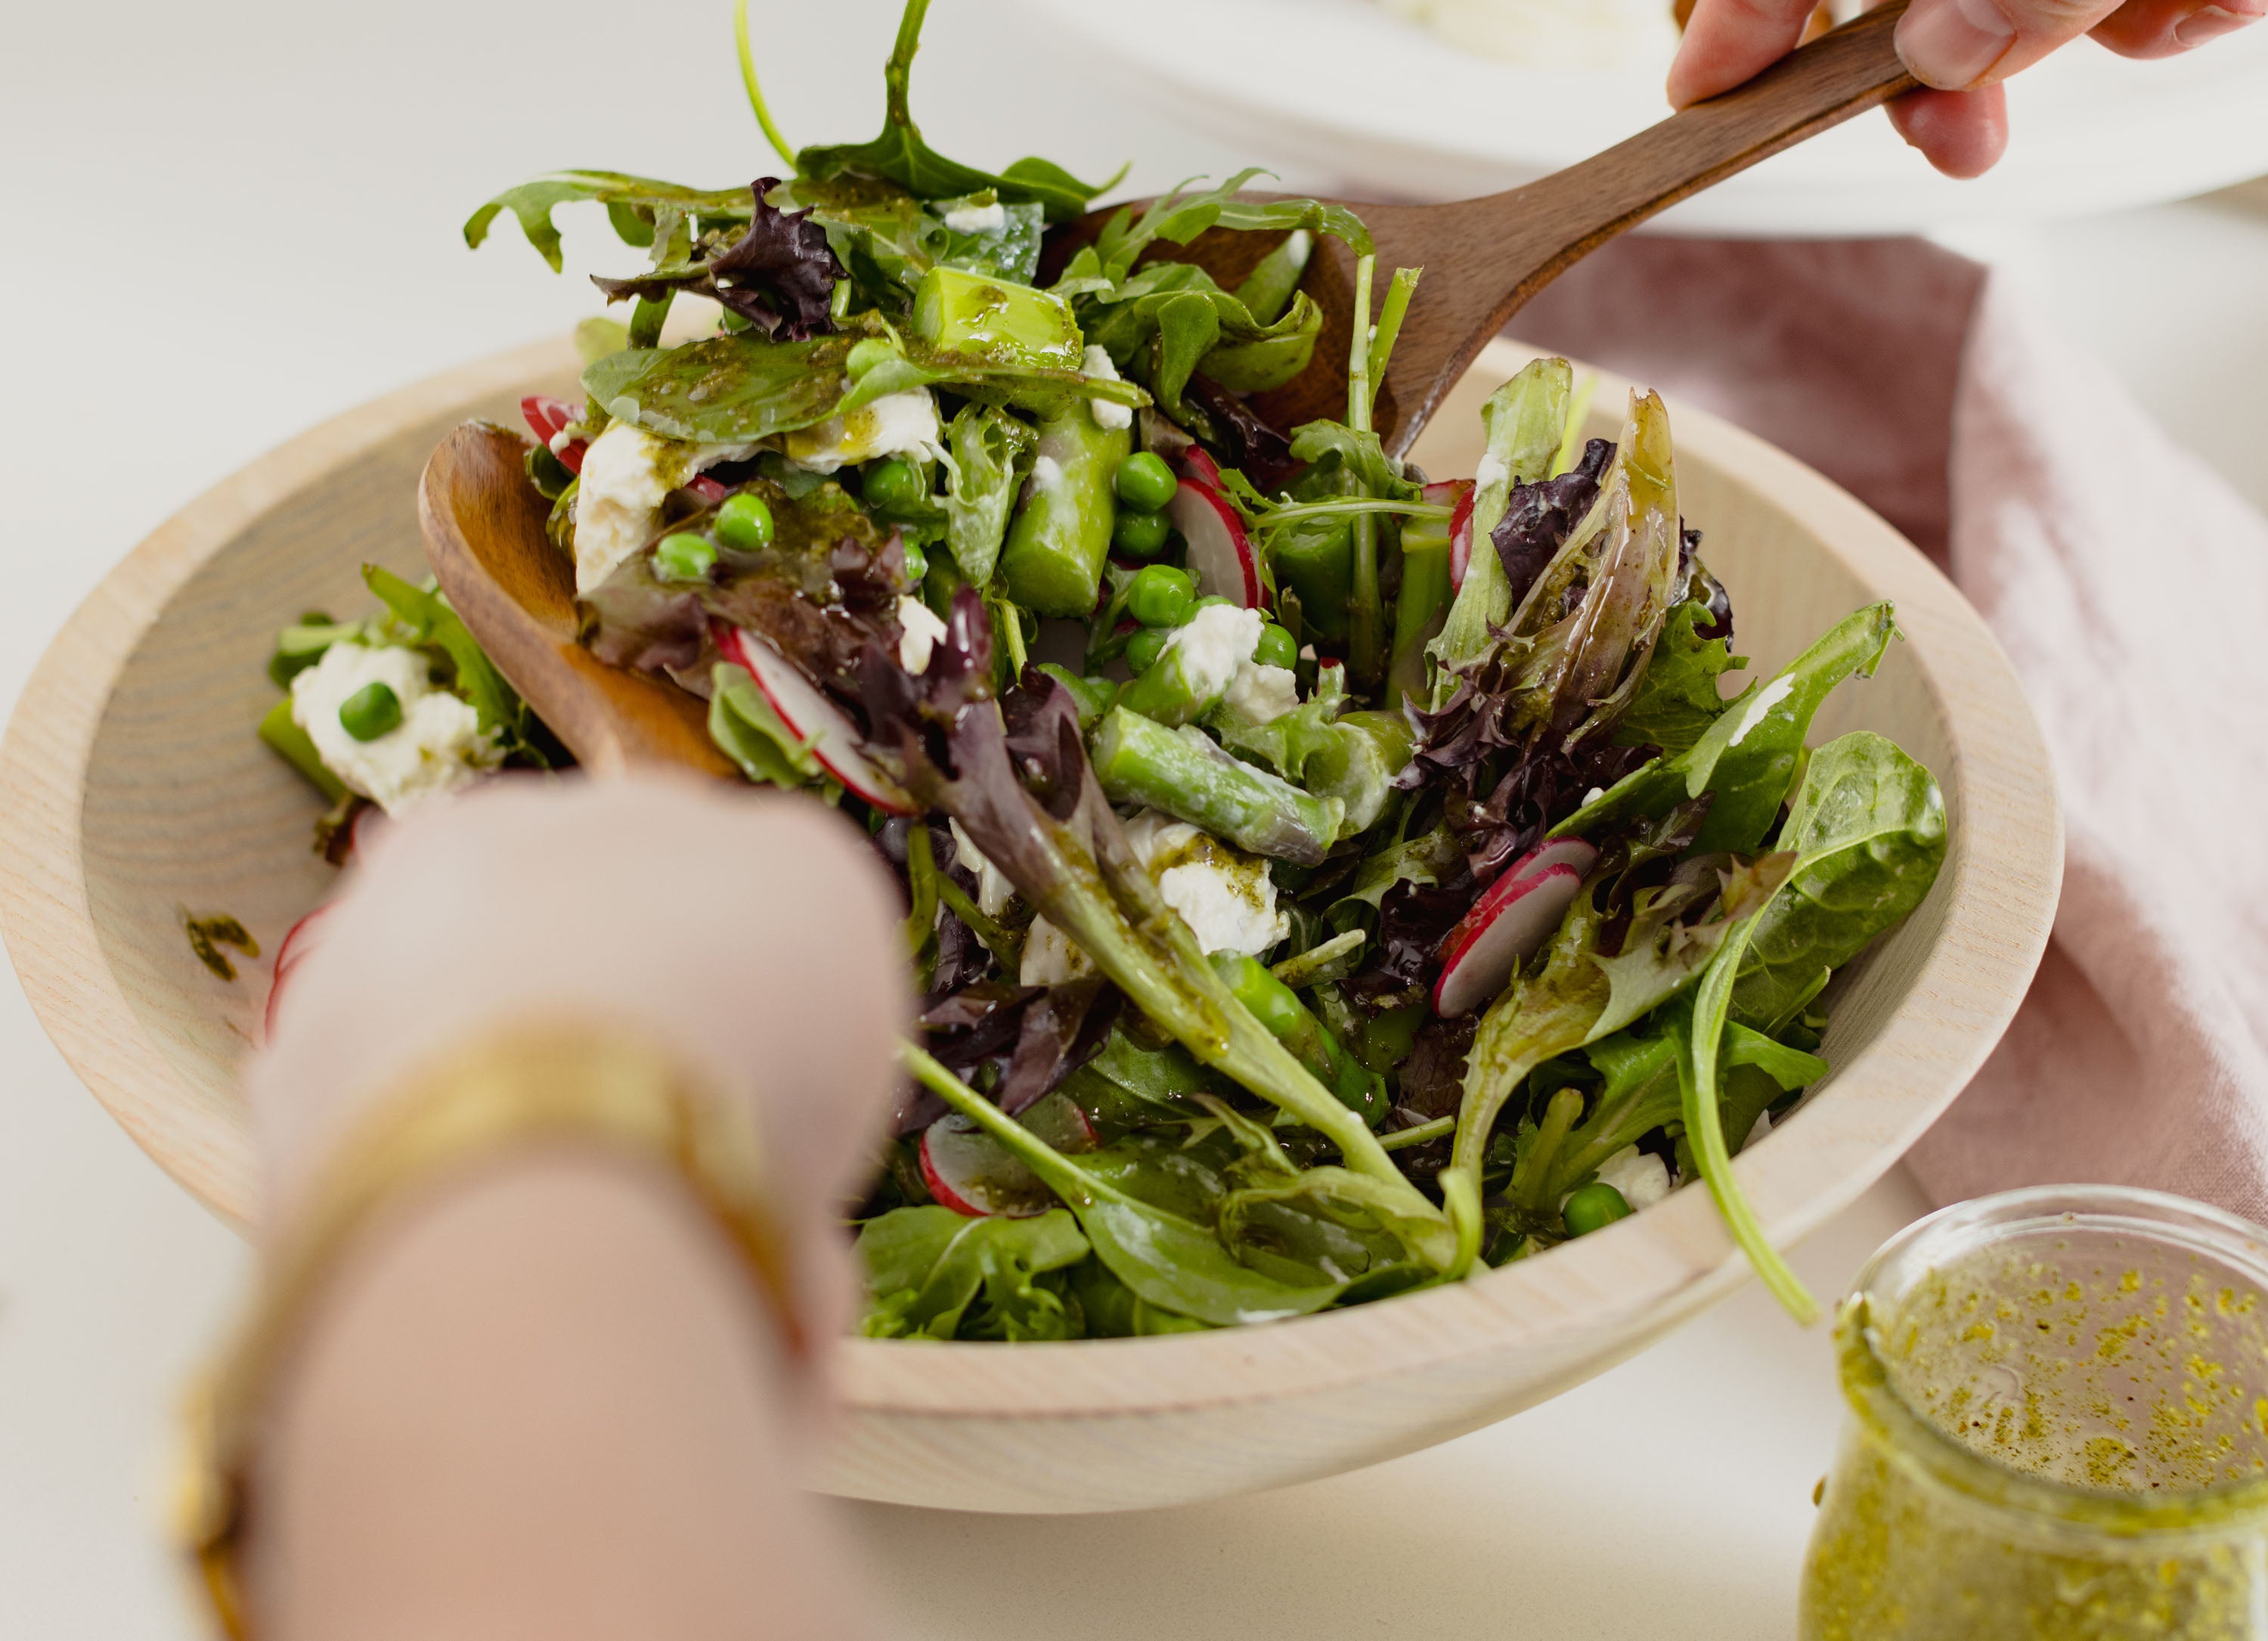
(2003, 882)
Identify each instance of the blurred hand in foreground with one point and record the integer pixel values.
(542, 1397)
(1963, 50)
(755, 935)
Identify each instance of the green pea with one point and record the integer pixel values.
(917, 562)
(681, 556)
(1161, 595)
(1144, 482)
(1141, 534)
(1596, 1204)
(894, 487)
(1190, 614)
(1276, 648)
(371, 711)
(744, 523)
(1142, 648)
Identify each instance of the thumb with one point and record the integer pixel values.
(1959, 45)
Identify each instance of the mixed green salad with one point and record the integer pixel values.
(1321, 881)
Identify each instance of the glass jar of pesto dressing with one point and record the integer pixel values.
(2059, 1428)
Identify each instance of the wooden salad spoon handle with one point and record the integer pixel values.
(1484, 260)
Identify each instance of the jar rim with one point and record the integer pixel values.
(2159, 1214)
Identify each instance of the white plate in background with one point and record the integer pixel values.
(1343, 93)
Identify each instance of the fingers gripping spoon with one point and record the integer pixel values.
(1484, 259)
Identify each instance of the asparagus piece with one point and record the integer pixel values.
(1184, 774)
(995, 320)
(1276, 1006)
(1053, 562)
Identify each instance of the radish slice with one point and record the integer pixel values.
(1558, 851)
(1456, 494)
(301, 938)
(1506, 927)
(970, 1172)
(546, 416)
(810, 716)
(1220, 558)
(709, 491)
(1196, 464)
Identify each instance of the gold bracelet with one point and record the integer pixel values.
(607, 1088)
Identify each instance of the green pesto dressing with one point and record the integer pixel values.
(2066, 1439)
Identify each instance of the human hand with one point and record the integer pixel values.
(754, 934)
(1961, 49)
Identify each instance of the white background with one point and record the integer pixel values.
(224, 223)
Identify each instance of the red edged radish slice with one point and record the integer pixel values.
(1196, 464)
(546, 416)
(1460, 537)
(301, 938)
(363, 832)
(1557, 852)
(812, 717)
(1506, 925)
(707, 488)
(1221, 560)
(970, 1172)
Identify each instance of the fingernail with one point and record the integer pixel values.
(1953, 44)
(2211, 22)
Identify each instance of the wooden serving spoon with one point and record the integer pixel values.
(1484, 260)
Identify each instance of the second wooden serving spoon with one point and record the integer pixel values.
(1483, 258)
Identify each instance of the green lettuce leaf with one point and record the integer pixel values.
(1868, 830)
(1677, 698)
(933, 1274)
(726, 390)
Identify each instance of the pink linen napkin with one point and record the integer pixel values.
(2128, 584)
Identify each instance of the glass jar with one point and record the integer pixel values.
(2059, 1428)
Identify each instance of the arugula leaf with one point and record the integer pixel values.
(635, 205)
(992, 451)
(900, 365)
(723, 390)
(1677, 698)
(1747, 758)
(1868, 830)
(933, 1274)
(899, 155)
(431, 622)
(1165, 1258)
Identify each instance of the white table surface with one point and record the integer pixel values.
(224, 223)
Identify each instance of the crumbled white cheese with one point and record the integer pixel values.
(437, 747)
(1770, 696)
(1262, 693)
(993, 889)
(1640, 1175)
(897, 423)
(1492, 470)
(1593, 796)
(564, 439)
(1109, 414)
(1050, 956)
(978, 219)
(1216, 641)
(1225, 896)
(626, 473)
(918, 631)
(1047, 476)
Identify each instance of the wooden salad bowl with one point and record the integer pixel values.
(132, 790)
